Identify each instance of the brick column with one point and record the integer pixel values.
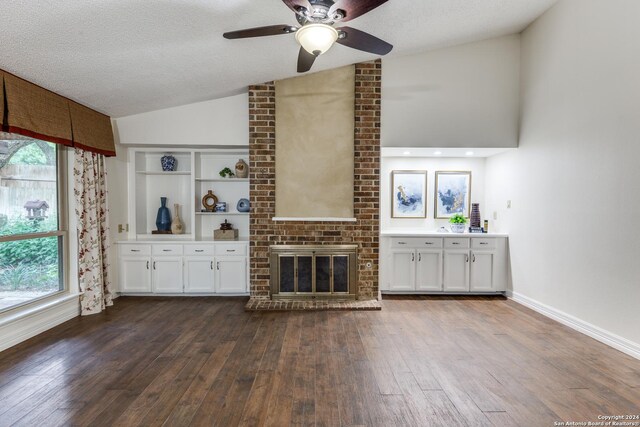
(364, 232)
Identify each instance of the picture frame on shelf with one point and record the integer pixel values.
(452, 194)
(409, 194)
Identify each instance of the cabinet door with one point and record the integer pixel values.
(167, 275)
(482, 271)
(456, 270)
(199, 275)
(429, 271)
(403, 270)
(135, 275)
(231, 275)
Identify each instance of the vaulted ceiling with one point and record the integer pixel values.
(124, 57)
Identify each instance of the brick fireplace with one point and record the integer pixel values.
(363, 232)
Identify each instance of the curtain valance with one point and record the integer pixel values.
(30, 110)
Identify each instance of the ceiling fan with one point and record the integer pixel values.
(317, 32)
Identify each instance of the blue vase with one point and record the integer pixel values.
(168, 163)
(163, 220)
(243, 205)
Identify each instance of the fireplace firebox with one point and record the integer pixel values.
(308, 272)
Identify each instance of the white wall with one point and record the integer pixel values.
(221, 122)
(463, 96)
(431, 165)
(575, 181)
(117, 203)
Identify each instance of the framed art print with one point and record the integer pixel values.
(409, 192)
(452, 194)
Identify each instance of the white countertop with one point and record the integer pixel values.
(178, 241)
(432, 233)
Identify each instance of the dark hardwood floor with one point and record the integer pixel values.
(419, 362)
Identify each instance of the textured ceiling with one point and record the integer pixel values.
(123, 57)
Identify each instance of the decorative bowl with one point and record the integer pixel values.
(457, 228)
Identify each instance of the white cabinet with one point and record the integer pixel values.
(135, 275)
(172, 268)
(481, 279)
(403, 277)
(231, 274)
(166, 275)
(429, 270)
(416, 269)
(199, 275)
(456, 270)
(451, 264)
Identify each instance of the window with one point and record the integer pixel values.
(32, 221)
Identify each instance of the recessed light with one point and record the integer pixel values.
(469, 153)
(407, 153)
(437, 153)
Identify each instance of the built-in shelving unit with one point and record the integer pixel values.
(196, 173)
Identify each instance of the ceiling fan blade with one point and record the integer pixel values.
(297, 5)
(305, 60)
(271, 30)
(354, 8)
(360, 40)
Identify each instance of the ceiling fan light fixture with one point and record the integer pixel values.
(316, 38)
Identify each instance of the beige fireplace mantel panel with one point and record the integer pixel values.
(314, 145)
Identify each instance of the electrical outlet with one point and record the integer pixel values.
(126, 228)
(508, 204)
(495, 215)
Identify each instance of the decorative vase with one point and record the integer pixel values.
(242, 169)
(168, 163)
(163, 219)
(209, 201)
(457, 228)
(176, 224)
(243, 205)
(475, 215)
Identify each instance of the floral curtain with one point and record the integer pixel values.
(93, 234)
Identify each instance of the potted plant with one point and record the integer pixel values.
(458, 222)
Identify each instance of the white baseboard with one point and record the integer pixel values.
(24, 325)
(619, 343)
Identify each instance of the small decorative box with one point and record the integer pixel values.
(221, 207)
(225, 234)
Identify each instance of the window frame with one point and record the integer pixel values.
(62, 233)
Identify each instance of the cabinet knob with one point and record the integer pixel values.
(147, 265)
(212, 265)
(483, 243)
(419, 257)
(402, 243)
(154, 265)
(135, 250)
(199, 250)
(218, 265)
(474, 257)
(413, 257)
(231, 250)
(455, 243)
(428, 243)
(166, 250)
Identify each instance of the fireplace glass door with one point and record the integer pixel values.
(312, 273)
